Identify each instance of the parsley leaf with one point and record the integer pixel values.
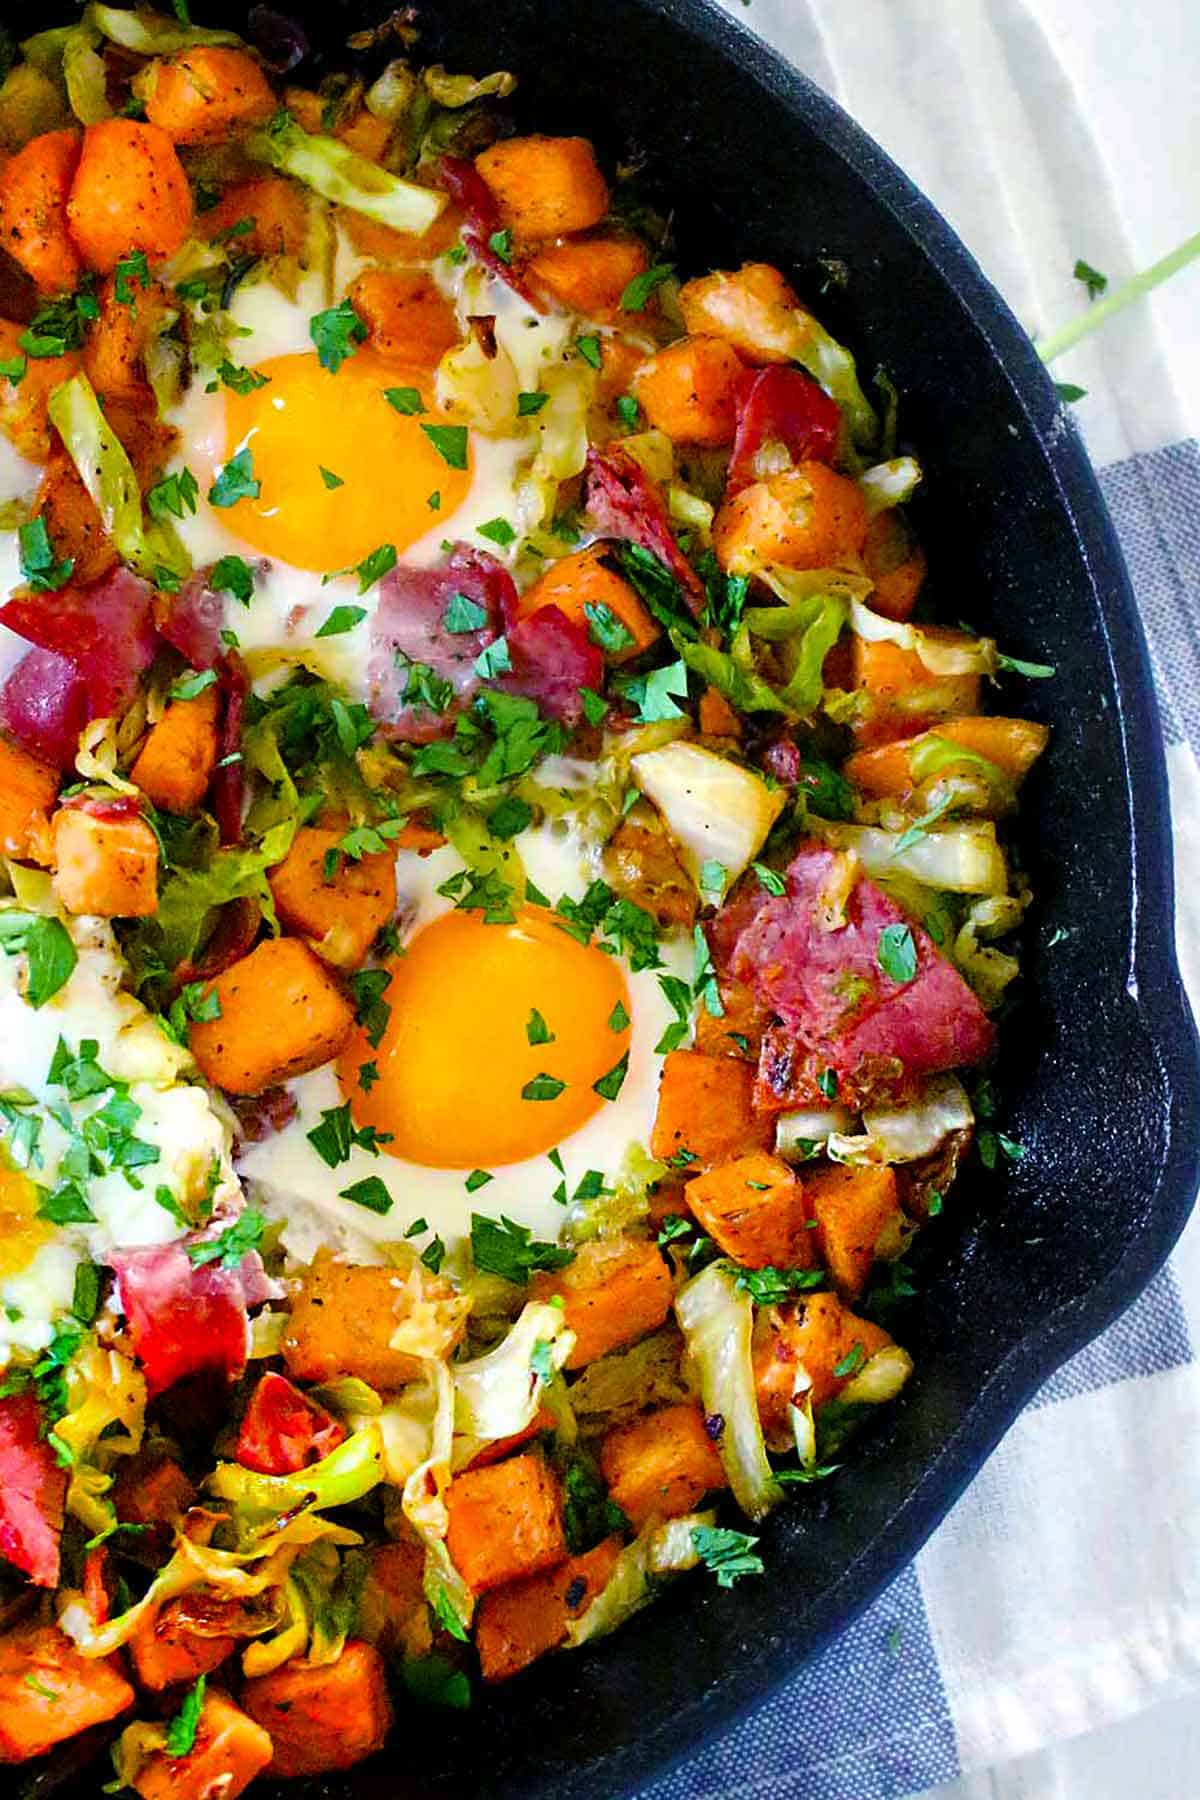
(618, 1018)
(374, 567)
(589, 348)
(370, 1193)
(502, 1247)
(337, 332)
(610, 1085)
(726, 1554)
(331, 480)
(370, 1008)
(50, 952)
(499, 531)
(132, 267)
(341, 620)
(174, 496)
(181, 1731)
(1069, 391)
(192, 685)
(536, 1029)
(336, 1135)
(44, 574)
(605, 629)
(450, 442)
(595, 706)
(232, 575)
(235, 1242)
(639, 290)
(1092, 279)
(769, 1286)
(897, 953)
(530, 403)
(542, 1087)
(463, 614)
(235, 482)
(406, 400)
(510, 816)
(1015, 665)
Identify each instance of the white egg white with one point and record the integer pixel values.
(289, 1180)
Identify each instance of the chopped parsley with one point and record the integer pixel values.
(337, 332)
(589, 348)
(174, 496)
(499, 531)
(234, 1243)
(370, 1008)
(543, 1087)
(463, 614)
(232, 575)
(530, 403)
(450, 442)
(235, 482)
(605, 629)
(1092, 279)
(406, 400)
(726, 1554)
(897, 953)
(771, 1287)
(336, 1135)
(181, 1730)
(502, 1247)
(42, 570)
(341, 620)
(610, 1085)
(639, 290)
(536, 1029)
(370, 1193)
(329, 478)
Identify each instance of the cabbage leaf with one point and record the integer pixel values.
(716, 1317)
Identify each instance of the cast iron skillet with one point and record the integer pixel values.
(1098, 1067)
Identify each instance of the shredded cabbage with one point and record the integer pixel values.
(941, 653)
(104, 468)
(150, 34)
(346, 1474)
(807, 626)
(614, 1387)
(717, 1319)
(832, 365)
(903, 1134)
(188, 896)
(989, 971)
(497, 1395)
(628, 1202)
(798, 1135)
(960, 859)
(460, 90)
(105, 1418)
(732, 673)
(880, 1378)
(657, 1551)
(84, 74)
(335, 172)
(424, 1503)
(890, 484)
(715, 810)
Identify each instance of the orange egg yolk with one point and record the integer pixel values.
(460, 1086)
(306, 419)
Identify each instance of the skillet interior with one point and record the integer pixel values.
(1098, 1070)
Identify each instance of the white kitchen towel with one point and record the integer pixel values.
(1063, 1591)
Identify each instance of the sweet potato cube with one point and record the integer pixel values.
(808, 517)
(166, 1649)
(704, 1109)
(105, 866)
(545, 187)
(49, 1692)
(277, 211)
(204, 95)
(518, 1623)
(904, 695)
(616, 1290)
(393, 1613)
(505, 1522)
(27, 793)
(229, 1751)
(738, 1031)
(325, 1718)
(281, 1015)
(345, 1316)
(689, 390)
(1014, 745)
(175, 763)
(752, 308)
(24, 404)
(853, 1207)
(754, 1208)
(152, 1489)
(588, 275)
(575, 583)
(644, 865)
(339, 917)
(661, 1464)
(814, 1339)
(407, 318)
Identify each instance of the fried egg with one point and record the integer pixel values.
(185, 1143)
(498, 1040)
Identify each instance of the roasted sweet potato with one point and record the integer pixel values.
(619, 362)
(49, 1692)
(752, 308)
(689, 390)
(35, 185)
(106, 866)
(661, 1464)
(151, 1488)
(129, 193)
(642, 863)
(175, 763)
(896, 564)
(505, 1522)
(754, 1208)
(1014, 745)
(281, 1015)
(584, 580)
(270, 216)
(616, 1290)
(229, 1751)
(114, 354)
(587, 275)
(518, 1623)
(385, 245)
(903, 695)
(854, 1209)
(704, 1109)
(365, 134)
(813, 1338)
(166, 1649)
(808, 517)
(203, 95)
(28, 789)
(345, 1316)
(24, 418)
(717, 717)
(72, 520)
(393, 1613)
(545, 187)
(339, 917)
(738, 1031)
(323, 1718)
(407, 318)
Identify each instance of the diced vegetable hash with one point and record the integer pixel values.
(506, 900)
